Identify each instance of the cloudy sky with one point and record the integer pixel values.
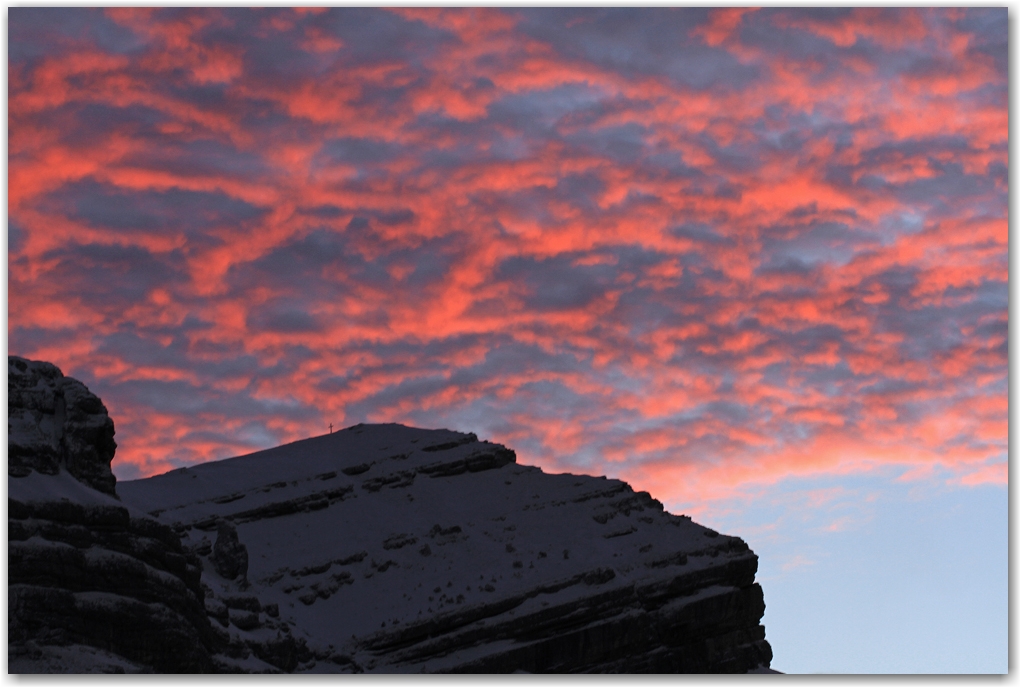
(754, 262)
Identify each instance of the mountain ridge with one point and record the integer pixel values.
(385, 548)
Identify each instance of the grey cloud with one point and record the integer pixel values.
(140, 349)
(622, 144)
(703, 233)
(46, 31)
(191, 212)
(289, 266)
(179, 397)
(817, 242)
(296, 270)
(327, 211)
(15, 236)
(536, 113)
(283, 317)
(206, 157)
(96, 121)
(109, 277)
(990, 28)
(639, 42)
(360, 150)
(556, 284)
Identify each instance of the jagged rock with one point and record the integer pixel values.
(281, 651)
(218, 610)
(243, 602)
(244, 620)
(33, 658)
(229, 555)
(466, 561)
(94, 576)
(55, 422)
(381, 548)
(93, 586)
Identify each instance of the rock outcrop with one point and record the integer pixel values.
(54, 422)
(229, 556)
(380, 548)
(93, 585)
(92, 575)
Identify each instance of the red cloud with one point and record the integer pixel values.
(261, 222)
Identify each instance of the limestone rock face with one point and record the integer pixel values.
(379, 548)
(93, 585)
(229, 556)
(54, 421)
(386, 548)
(92, 575)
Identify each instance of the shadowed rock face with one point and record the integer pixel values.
(229, 557)
(393, 549)
(380, 548)
(54, 421)
(91, 575)
(92, 586)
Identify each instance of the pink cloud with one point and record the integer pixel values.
(261, 222)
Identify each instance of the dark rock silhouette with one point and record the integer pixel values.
(380, 548)
(55, 421)
(93, 575)
(229, 556)
(94, 585)
(87, 580)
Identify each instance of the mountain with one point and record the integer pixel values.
(384, 548)
(93, 585)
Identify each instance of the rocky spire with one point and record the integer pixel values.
(55, 422)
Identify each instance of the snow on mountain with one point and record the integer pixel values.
(379, 548)
(394, 549)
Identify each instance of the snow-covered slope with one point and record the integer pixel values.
(379, 548)
(392, 549)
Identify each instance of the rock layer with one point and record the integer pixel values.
(93, 584)
(380, 548)
(93, 575)
(55, 422)
(392, 549)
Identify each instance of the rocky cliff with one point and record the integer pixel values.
(383, 548)
(54, 422)
(92, 584)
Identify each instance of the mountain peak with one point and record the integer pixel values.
(376, 548)
(396, 549)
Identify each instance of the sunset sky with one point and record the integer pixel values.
(751, 261)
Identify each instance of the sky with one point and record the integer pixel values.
(751, 261)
